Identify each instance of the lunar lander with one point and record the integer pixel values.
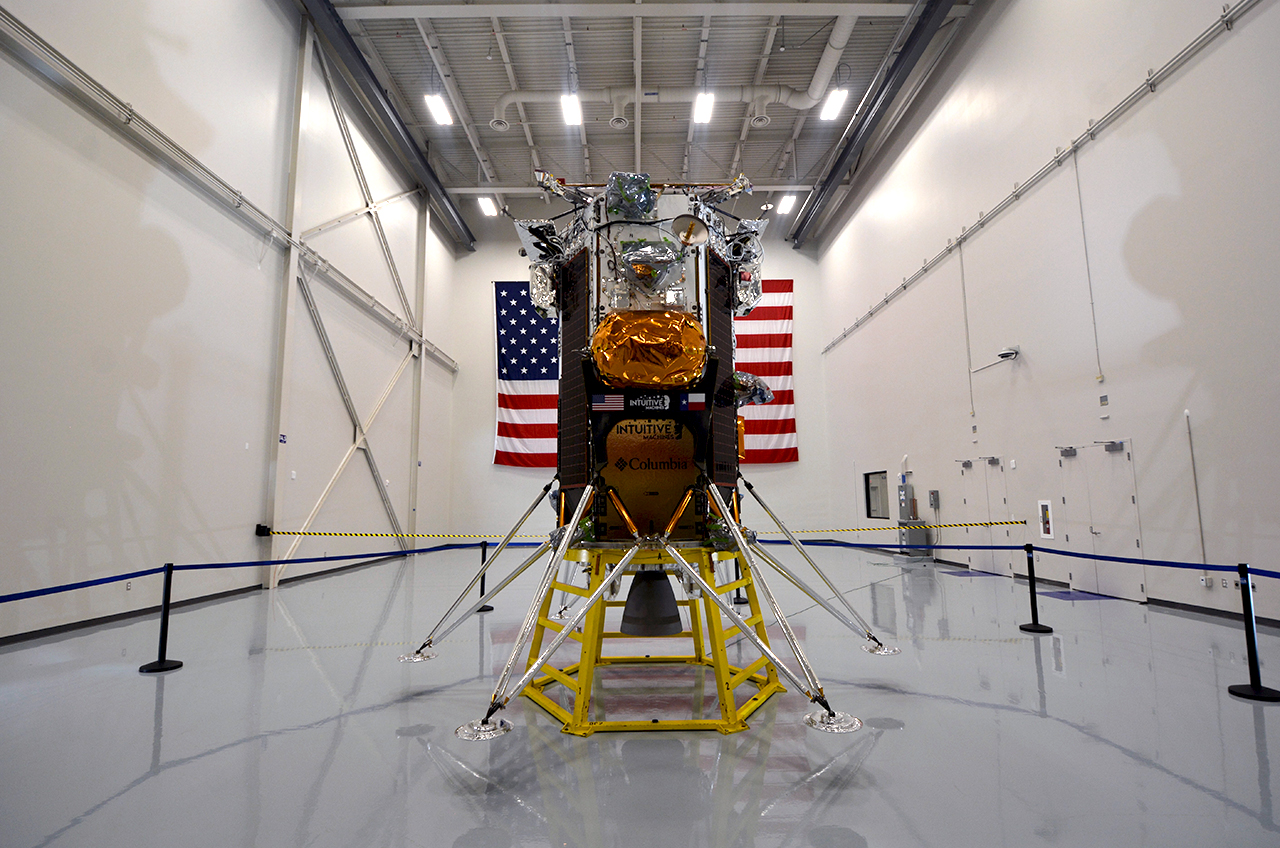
(646, 281)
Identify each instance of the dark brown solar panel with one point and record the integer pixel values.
(573, 459)
(723, 462)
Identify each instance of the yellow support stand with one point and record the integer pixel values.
(708, 633)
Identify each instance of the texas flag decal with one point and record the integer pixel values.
(693, 402)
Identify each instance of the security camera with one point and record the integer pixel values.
(1009, 352)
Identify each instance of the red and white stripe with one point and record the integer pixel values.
(526, 423)
(763, 348)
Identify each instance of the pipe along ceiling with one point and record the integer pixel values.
(759, 96)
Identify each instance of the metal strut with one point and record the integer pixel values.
(757, 576)
(526, 629)
(794, 580)
(424, 653)
(709, 591)
(500, 700)
(795, 543)
(483, 568)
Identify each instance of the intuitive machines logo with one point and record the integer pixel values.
(652, 403)
(662, 428)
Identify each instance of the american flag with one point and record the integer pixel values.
(764, 349)
(528, 380)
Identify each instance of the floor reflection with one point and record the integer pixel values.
(677, 789)
(292, 724)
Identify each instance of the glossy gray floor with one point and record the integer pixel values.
(292, 724)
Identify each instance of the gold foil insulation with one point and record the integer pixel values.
(742, 438)
(649, 349)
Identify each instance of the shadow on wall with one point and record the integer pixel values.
(90, 472)
(1213, 251)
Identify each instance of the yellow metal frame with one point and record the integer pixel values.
(707, 631)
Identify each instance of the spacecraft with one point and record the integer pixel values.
(645, 281)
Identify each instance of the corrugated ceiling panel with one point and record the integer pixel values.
(604, 51)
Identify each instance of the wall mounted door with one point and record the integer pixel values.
(1113, 507)
(973, 509)
(998, 510)
(1074, 522)
(1100, 517)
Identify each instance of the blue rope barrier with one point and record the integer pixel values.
(53, 590)
(836, 543)
(816, 543)
(1167, 563)
(117, 578)
(372, 555)
(1193, 566)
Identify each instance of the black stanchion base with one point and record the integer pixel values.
(740, 600)
(160, 665)
(1261, 693)
(485, 608)
(1035, 628)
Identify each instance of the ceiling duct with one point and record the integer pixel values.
(931, 18)
(760, 96)
(342, 49)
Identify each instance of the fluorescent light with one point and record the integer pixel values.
(702, 107)
(488, 207)
(439, 111)
(572, 108)
(785, 204)
(835, 102)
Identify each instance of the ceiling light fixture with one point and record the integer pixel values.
(572, 108)
(439, 111)
(702, 107)
(488, 207)
(786, 204)
(835, 102)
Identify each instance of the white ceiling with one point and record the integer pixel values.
(473, 53)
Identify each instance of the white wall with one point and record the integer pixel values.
(1176, 206)
(139, 318)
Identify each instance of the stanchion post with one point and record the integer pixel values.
(484, 556)
(1253, 690)
(738, 597)
(162, 663)
(1035, 626)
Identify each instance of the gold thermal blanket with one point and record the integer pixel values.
(649, 349)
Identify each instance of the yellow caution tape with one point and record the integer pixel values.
(536, 536)
(931, 526)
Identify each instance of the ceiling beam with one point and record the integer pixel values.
(927, 25)
(628, 9)
(501, 37)
(337, 40)
(765, 52)
(699, 80)
(384, 75)
(445, 70)
(573, 86)
(637, 53)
